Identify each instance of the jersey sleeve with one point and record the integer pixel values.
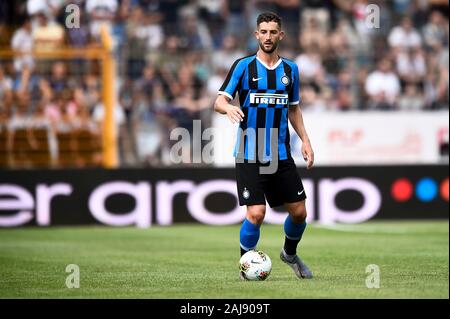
(294, 96)
(231, 83)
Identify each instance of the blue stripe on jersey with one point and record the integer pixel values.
(233, 80)
(279, 75)
(282, 152)
(245, 80)
(238, 144)
(283, 125)
(250, 147)
(246, 101)
(294, 96)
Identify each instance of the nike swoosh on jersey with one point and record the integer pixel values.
(257, 79)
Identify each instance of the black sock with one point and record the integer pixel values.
(290, 246)
(243, 251)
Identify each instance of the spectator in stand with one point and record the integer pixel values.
(136, 44)
(234, 13)
(147, 128)
(22, 118)
(47, 37)
(6, 94)
(191, 99)
(228, 53)
(22, 43)
(437, 84)
(383, 87)
(313, 35)
(311, 99)
(78, 112)
(319, 10)
(101, 12)
(344, 93)
(411, 100)
(359, 17)
(91, 91)
(216, 80)
(146, 82)
(193, 33)
(170, 11)
(151, 32)
(419, 13)
(435, 32)
(289, 11)
(59, 79)
(168, 62)
(51, 8)
(405, 35)
(98, 115)
(170, 57)
(340, 53)
(54, 111)
(211, 12)
(411, 67)
(310, 65)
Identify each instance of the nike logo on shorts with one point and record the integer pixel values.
(299, 193)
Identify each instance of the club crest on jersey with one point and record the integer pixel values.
(246, 193)
(285, 80)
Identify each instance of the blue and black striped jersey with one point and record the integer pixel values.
(265, 95)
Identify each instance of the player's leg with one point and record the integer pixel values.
(294, 227)
(286, 188)
(250, 228)
(251, 195)
(289, 189)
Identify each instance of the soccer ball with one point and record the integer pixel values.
(255, 265)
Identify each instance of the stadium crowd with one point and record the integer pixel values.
(173, 55)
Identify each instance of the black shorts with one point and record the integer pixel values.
(283, 186)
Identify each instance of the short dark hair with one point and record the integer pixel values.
(268, 17)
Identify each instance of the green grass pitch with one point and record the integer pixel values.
(198, 261)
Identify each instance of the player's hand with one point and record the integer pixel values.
(235, 114)
(308, 154)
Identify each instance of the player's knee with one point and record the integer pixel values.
(256, 214)
(299, 215)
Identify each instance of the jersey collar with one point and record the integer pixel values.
(266, 66)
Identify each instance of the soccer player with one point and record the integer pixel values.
(268, 89)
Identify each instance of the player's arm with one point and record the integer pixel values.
(227, 93)
(296, 119)
(223, 106)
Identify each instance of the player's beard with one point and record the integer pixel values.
(271, 49)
